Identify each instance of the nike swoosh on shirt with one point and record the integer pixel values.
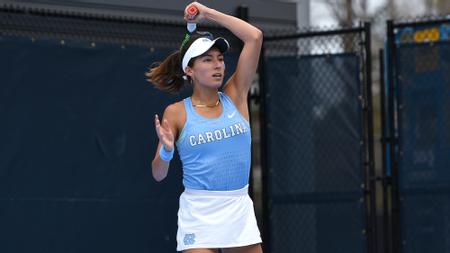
(231, 115)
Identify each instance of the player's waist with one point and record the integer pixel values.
(239, 192)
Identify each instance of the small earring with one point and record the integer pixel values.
(185, 77)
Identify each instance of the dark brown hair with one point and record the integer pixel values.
(168, 75)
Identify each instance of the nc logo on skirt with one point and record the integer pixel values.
(189, 239)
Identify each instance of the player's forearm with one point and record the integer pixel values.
(160, 168)
(243, 30)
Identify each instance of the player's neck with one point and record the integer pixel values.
(205, 96)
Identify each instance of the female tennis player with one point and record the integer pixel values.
(212, 134)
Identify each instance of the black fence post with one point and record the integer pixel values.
(392, 139)
(371, 189)
(386, 239)
(263, 152)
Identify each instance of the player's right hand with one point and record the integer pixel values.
(164, 133)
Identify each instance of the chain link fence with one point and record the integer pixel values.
(122, 30)
(418, 109)
(318, 156)
(316, 135)
(77, 135)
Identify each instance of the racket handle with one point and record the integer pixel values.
(192, 11)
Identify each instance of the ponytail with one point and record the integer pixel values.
(167, 75)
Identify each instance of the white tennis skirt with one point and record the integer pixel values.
(216, 219)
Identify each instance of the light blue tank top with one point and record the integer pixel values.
(215, 152)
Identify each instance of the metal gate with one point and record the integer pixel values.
(318, 153)
(417, 140)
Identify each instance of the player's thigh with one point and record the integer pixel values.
(201, 251)
(255, 248)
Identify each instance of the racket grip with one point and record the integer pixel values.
(192, 11)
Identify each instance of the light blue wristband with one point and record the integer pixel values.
(166, 155)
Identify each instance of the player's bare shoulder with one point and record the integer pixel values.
(176, 113)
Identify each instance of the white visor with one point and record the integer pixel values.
(200, 46)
